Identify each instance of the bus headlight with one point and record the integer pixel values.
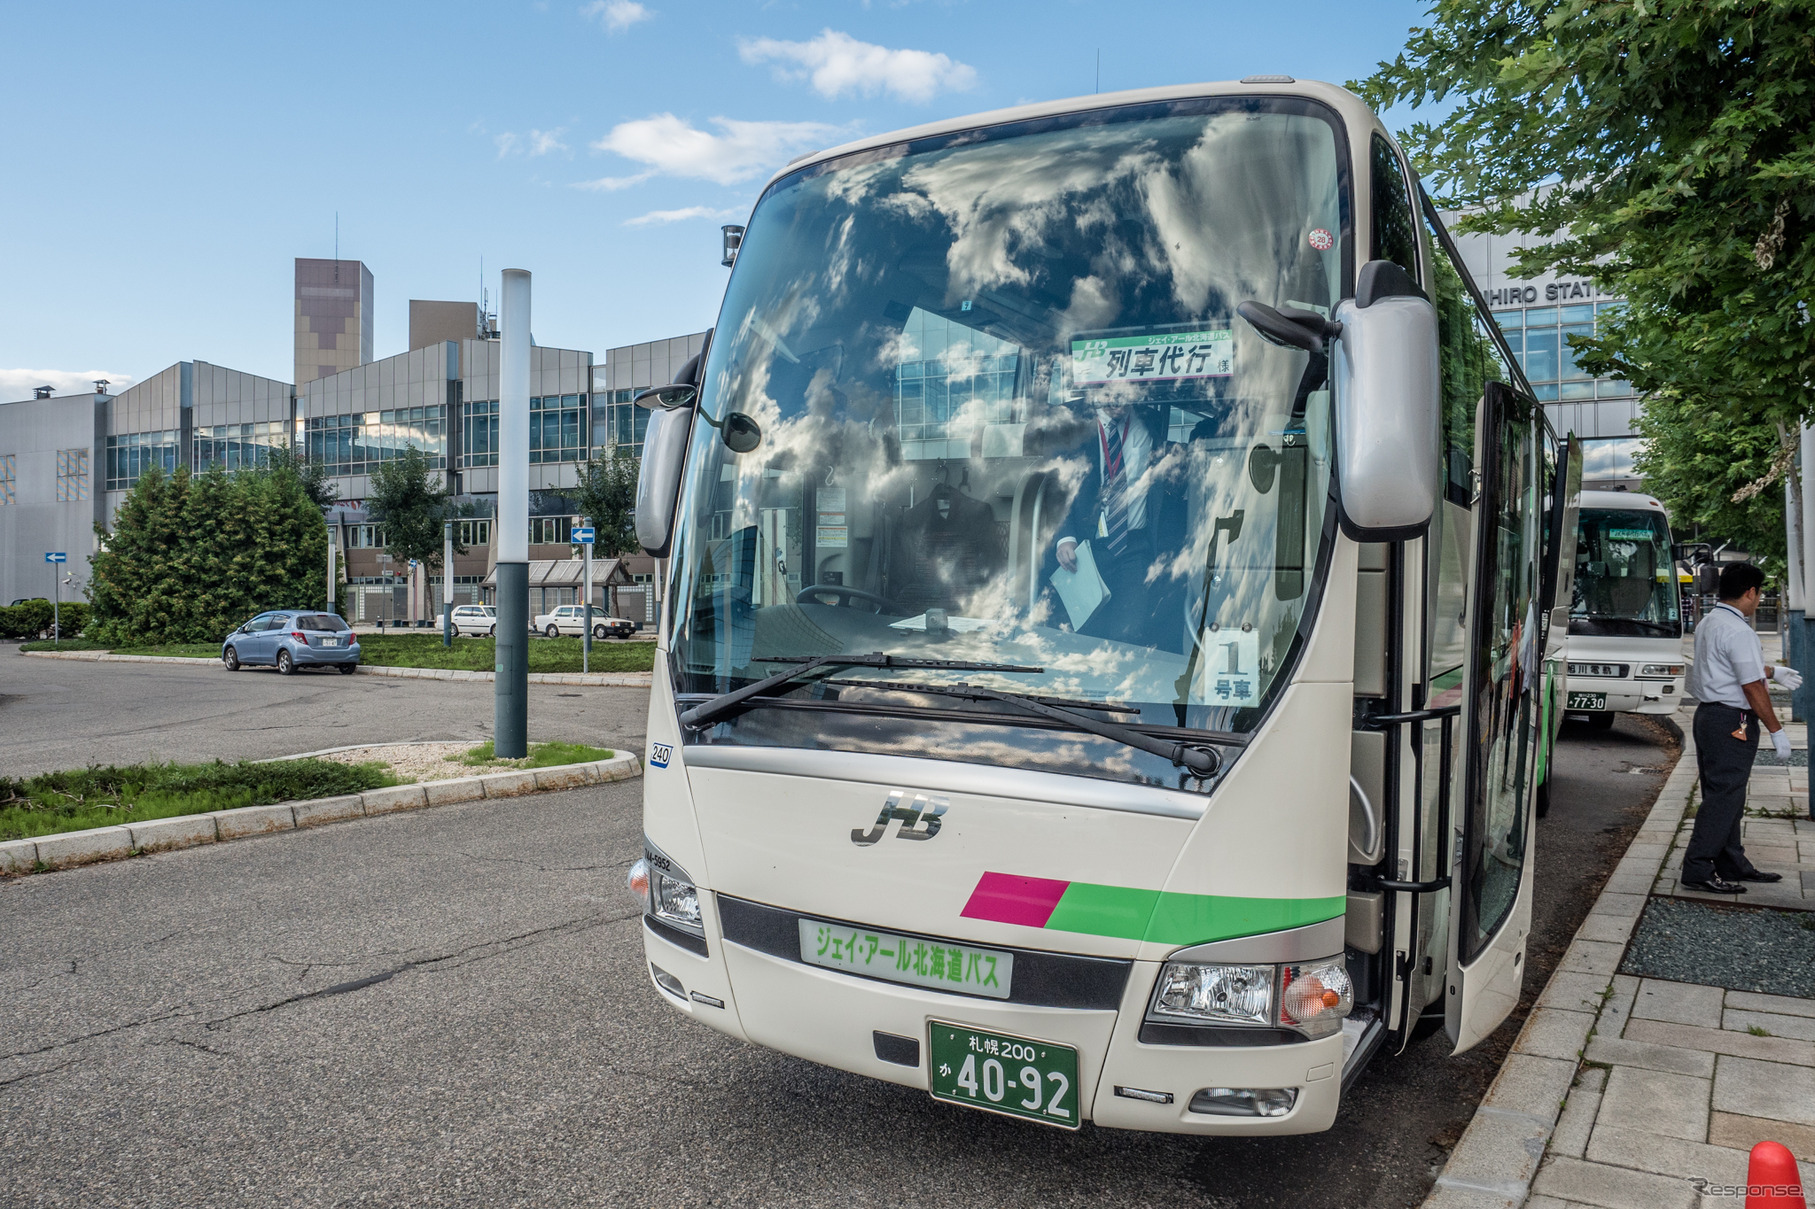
(1312, 998)
(1216, 993)
(1661, 671)
(676, 902)
(666, 890)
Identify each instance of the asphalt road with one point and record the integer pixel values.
(64, 713)
(449, 1008)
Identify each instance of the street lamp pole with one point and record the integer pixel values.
(510, 719)
(447, 583)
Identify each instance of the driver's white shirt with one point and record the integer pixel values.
(1728, 654)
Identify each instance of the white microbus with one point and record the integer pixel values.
(1625, 622)
(1106, 604)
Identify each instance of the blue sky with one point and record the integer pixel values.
(165, 162)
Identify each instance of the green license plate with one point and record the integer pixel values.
(1015, 1076)
(1586, 701)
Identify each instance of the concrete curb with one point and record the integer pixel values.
(1498, 1157)
(73, 848)
(596, 679)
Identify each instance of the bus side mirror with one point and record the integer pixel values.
(659, 480)
(1388, 407)
(1707, 580)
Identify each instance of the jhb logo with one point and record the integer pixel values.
(922, 810)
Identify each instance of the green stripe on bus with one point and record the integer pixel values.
(1182, 919)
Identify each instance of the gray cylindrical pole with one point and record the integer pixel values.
(331, 604)
(586, 615)
(447, 583)
(510, 725)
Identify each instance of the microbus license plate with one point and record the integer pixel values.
(1015, 1076)
(937, 964)
(1586, 701)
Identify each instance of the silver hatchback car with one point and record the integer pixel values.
(288, 639)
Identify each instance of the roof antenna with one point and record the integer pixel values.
(337, 246)
(1099, 69)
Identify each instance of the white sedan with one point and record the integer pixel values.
(480, 620)
(571, 619)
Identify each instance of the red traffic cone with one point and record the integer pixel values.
(1772, 1179)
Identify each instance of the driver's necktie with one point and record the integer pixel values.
(1115, 490)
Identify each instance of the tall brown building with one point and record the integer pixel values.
(333, 317)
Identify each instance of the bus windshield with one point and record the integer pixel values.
(1625, 584)
(986, 398)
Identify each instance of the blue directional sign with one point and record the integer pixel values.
(56, 556)
(582, 535)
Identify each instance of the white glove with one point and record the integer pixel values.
(1789, 677)
(1781, 742)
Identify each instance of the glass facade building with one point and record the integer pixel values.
(619, 424)
(357, 444)
(1538, 316)
(238, 446)
(130, 454)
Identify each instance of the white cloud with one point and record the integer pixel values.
(838, 64)
(662, 217)
(616, 15)
(675, 147)
(536, 142)
(18, 384)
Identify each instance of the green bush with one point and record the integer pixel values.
(101, 797)
(33, 618)
(192, 556)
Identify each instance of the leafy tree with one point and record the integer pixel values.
(412, 507)
(1698, 467)
(608, 494)
(317, 483)
(1665, 149)
(191, 556)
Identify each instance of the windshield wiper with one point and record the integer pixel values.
(1200, 761)
(702, 715)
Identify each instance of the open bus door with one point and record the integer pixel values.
(1490, 899)
(1563, 500)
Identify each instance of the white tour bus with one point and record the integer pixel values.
(1625, 621)
(1108, 585)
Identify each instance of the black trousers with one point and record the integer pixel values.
(1726, 742)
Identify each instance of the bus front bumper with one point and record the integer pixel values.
(1627, 696)
(835, 1018)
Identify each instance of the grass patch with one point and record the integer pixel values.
(541, 755)
(68, 644)
(187, 650)
(481, 654)
(98, 796)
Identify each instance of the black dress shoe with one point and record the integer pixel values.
(1715, 885)
(1759, 875)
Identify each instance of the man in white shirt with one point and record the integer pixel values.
(1728, 682)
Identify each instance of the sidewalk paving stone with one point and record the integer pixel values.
(1743, 1133)
(1645, 1151)
(1653, 1101)
(1764, 1089)
(1617, 1051)
(1786, 1005)
(1786, 1050)
(1678, 1003)
(1800, 1027)
(1612, 1187)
